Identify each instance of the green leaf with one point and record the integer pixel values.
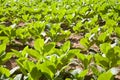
(117, 50)
(80, 56)
(106, 76)
(25, 17)
(85, 59)
(4, 71)
(110, 31)
(2, 48)
(83, 10)
(24, 52)
(85, 43)
(105, 47)
(102, 37)
(95, 70)
(66, 46)
(95, 30)
(68, 79)
(111, 23)
(28, 65)
(102, 61)
(82, 75)
(4, 39)
(72, 53)
(16, 53)
(34, 53)
(5, 57)
(20, 63)
(48, 48)
(117, 30)
(64, 35)
(78, 26)
(69, 17)
(53, 58)
(35, 73)
(48, 69)
(38, 45)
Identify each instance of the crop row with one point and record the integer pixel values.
(30, 31)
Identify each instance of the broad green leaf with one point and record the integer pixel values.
(62, 61)
(105, 47)
(95, 70)
(46, 69)
(21, 65)
(102, 37)
(34, 53)
(85, 43)
(32, 31)
(16, 53)
(83, 10)
(109, 31)
(58, 52)
(110, 23)
(60, 37)
(95, 30)
(38, 44)
(28, 65)
(117, 30)
(72, 53)
(106, 76)
(80, 56)
(85, 59)
(48, 48)
(38, 27)
(117, 50)
(78, 26)
(2, 48)
(64, 35)
(87, 35)
(7, 31)
(5, 71)
(54, 58)
(4, 39)
(69, 17)
(24, 52)
(5, 57)
(35, 73)
(82, 75)
(25, 17)
(66, 46)
(102, 61)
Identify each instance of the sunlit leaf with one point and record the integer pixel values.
(38, 45)
(4, 71)
(106, 76)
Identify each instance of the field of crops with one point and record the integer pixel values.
(59, 39)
